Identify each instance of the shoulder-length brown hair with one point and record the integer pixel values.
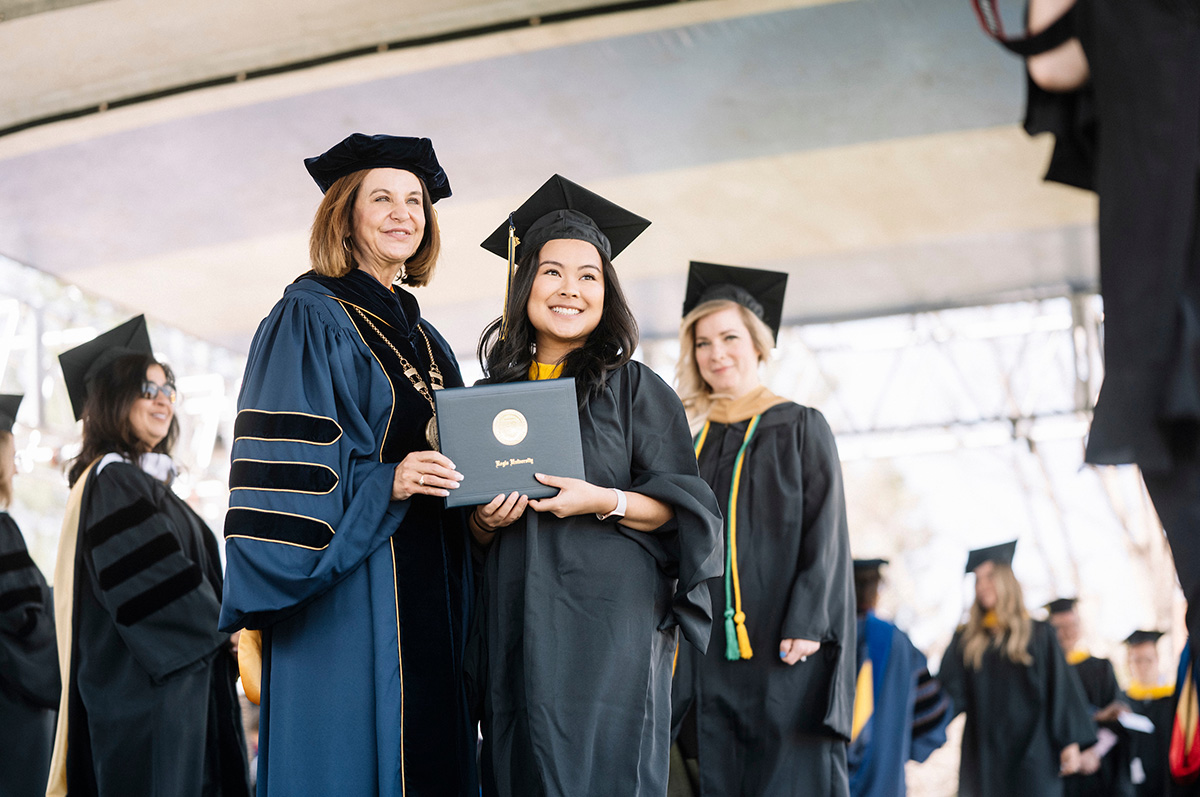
(694, 392)
(106, 426)
(7, 468)
(1013, 628)
(329, 243)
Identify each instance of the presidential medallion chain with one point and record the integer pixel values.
(414, 377)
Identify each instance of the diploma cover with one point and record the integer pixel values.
(498, 436)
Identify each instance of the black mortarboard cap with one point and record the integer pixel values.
(1001, 554)
(1140, 637)
(869, 564)
(9, 403)
(1059, 605)
(760, 291)
(83, 362)
(563, 209)
(359, 151)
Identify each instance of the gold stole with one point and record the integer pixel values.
(64, 610)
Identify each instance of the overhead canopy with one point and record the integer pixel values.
(869, 148)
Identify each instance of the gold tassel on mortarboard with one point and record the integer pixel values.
(513, 243)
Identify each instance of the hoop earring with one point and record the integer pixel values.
(346, 244)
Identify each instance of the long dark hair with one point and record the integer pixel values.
(607, 348)
(106, 426)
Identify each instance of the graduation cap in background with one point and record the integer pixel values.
(9, 402)
(868, 564)
(1141, 637)
(1001, 554)
(359, 151)
(1060, 605)
(80, 364)
(759, 291)
(562, 209)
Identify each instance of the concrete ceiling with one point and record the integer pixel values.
(868, 147)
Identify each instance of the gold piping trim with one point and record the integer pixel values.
(280, 542)
(379, 362)
(336, 479)
(400, 659)
(341, 431)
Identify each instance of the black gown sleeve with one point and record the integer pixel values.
(28, 650)
(664, 467)
(164, 609)
(1069, 719)
(952, 675)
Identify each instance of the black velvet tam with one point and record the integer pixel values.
(359, 151)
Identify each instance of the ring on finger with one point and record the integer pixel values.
(804, 658)
(421, 481)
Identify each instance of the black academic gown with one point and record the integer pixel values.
(29, 681)
(1018, 717)
(571, 655)
(1150, 750)
(153, 708)
(1100, 687)
(761, 727)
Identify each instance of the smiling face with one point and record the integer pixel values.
(150, 418)
(566, 300)
(725, 353)
(388, 221)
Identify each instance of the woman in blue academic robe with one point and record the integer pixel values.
(340, 551)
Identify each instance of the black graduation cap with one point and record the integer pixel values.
(9, 402)
(1059, 605)
(563, 209)
(359, 151)
(760, 291)
(869, 564)
(1140, 637)
(1001, 554)
(83, 362)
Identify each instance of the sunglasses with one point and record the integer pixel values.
(150, 390)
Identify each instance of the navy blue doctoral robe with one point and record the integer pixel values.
(361, 599)
(910, 714)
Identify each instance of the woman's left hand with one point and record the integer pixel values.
(575, 497)
(794, 650)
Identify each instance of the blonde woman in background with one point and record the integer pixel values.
(1027, 716)
(767, 710)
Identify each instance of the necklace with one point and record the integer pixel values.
(414, 377)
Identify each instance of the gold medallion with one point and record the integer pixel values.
(510, 427)
(431, 434)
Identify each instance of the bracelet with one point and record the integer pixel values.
(619, 512)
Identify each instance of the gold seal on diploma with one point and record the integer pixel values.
(510, 427)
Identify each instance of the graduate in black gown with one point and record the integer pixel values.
(344, 564)
(149, 703)
(1103, 767)
(585, 594)
(29, 683)
(1027, 716)
(1152, 696)
(767, 711)
(1117, 89)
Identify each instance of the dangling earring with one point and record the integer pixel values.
(403, 272)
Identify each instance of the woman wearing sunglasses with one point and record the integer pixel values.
(149, 705)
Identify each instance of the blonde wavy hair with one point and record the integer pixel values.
(8, 468)
(696, 394)
(1013, 628)
(328, 243)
